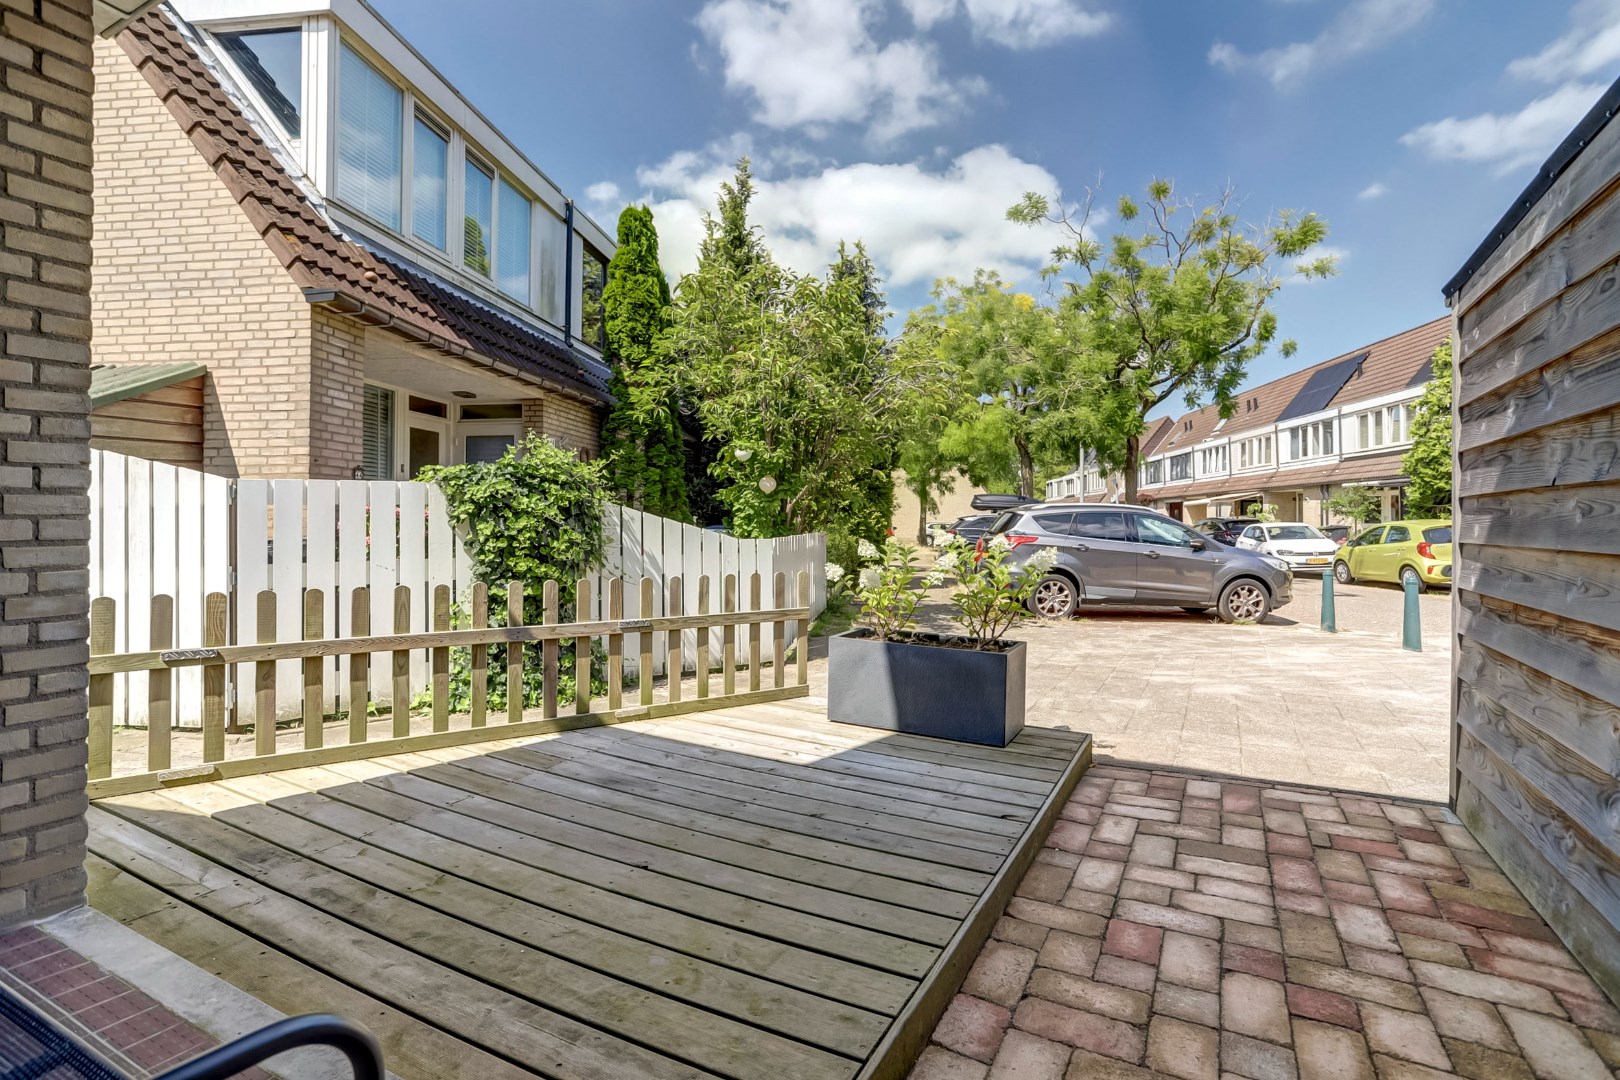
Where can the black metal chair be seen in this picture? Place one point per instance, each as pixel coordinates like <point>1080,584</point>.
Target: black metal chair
<point>33,1047</point>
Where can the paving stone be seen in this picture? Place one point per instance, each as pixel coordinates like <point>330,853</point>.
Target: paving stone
<point>1000,972</point>
<point>1311,937</point>
<point>1351,893</point>
<point>1606,1044</point>
<point>1391,965</point>
<point>1085,1065</point>
<point>1222,852</point>
<point>1113,829</point>
<point>1078,992</point>
<point>1204,789</point>
<point>1069,835</point>
<point>1589,1013</point>
<point>1392,1068</point>
<point>1153,850</point>
<point>1323,1005</point>
<point>1045,882</point>
<point>1168,918</point>
<point>1199,1006</point>
<point>1488,987</point>
<point>1102,849</point>
<point>1341,866</point>
<point>1295,875</point>
<point>1240,799</point>
<point>1254,1006</point>
<point>1122,972</point>
<point>1256,1060</point>
<point>1438,952</point>
<point>1483,1063</point>
<point>1190,1051</point>
<point>1099,875</point>
<point>1239,836</point>
<point>1304,903</point>
<point>1029,1057</point>
<point>1262,962</point>
<point>1412,869</point>
<point>1160,875</point>
<point>937,1063</point>
<point>1327,1052</point>
<point>1487,917</point>
<point>1070,952</point>
<point>1407,923</point>
<point>1356,984</point>
<point>1191,960</point>
<point>1199,864</point>
<point>1141,890</point>
<point>1283,844</point>
<point>972,1027</point>
<point>1235,890</point>
<point>1403,893</point>
<point>1223,908</point>
<point>1284,821</point>
<point>1029,935</point>
<point>1133,941</point>
<point>1542,952</point>
<point>1089,1031</point>
<point>1539,972</point>
<point>1466,1018</point>
<point>1255,937</point>
<point>1556,1050</point>
<point>1085,900</point>
<point>1058,858</point>
<point>1056,917</point>
<point>1404,1034</point>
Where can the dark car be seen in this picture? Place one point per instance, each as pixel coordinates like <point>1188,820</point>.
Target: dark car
<point>1131,555</point>
<point>1336,533</point>
<point>1225,529</point>
<point>971,527</point>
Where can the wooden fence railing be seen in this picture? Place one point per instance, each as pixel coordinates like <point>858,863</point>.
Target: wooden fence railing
<point>121,762</point>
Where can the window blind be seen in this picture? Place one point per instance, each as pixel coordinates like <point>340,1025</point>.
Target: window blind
<point>430,157</point>
<point>377,434</point>
<point>369,150</point>
<point>475,252</point>
<point>512,245</point>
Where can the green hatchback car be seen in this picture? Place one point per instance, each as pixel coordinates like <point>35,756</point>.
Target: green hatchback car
<point>1396,551</point>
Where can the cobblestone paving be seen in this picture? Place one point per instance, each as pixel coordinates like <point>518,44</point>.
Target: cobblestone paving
<point>1183,926</point>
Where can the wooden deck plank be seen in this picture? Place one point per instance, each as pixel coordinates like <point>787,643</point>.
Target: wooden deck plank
<point>807,1017</point>
<point>670,771</point>
<point>713,1043</point>
<point>1020,750</point>
<point>410,1047</point>
<point>544,1040</point>
<point>512,780</point>
<point>724,945</point>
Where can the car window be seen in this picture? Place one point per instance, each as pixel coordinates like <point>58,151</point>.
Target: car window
<point>1370,536</point>
<point>1003,522</point>
<point>1053,524</point>
<point>1154,530</point>
<point>1293,532</point>
<point>1398,534</point>
<point>1253,533</point>
<point>1440,534</point>
<point>1100,525</point>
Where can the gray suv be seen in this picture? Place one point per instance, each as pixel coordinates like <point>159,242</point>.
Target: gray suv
<point>1112,554</point>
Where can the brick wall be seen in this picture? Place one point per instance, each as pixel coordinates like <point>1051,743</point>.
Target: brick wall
<point>180,274</point>
<point>45,215</point>
<point>337,395</point>
<point>567,421</point>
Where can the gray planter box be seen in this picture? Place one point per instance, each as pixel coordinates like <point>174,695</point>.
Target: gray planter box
<point>921,687</point>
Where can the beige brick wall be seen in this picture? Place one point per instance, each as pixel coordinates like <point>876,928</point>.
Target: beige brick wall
<point>337,395</point>
<point>567,421</point>
<point>45,225</point>
<point>180,274</point>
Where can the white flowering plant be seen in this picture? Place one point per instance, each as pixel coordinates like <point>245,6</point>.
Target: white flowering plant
<point>992,592</point>
<point>885,587</point>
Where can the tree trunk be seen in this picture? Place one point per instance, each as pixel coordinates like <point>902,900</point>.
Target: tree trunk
<point>1026,469</point>
<point>1133,451</point>
<point>922,518</point>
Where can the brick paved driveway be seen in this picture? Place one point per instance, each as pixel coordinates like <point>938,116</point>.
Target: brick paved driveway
<point>1206,929</point>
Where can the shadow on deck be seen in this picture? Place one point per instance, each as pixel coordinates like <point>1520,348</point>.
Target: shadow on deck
<point>751,893</point>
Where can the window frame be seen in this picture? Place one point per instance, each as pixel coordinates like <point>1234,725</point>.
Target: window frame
<point>352,46</point>
<point>430,120</point>
<point>245,85</point>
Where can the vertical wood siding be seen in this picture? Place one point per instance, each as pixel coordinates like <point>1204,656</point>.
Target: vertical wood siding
<point>1536,698</point>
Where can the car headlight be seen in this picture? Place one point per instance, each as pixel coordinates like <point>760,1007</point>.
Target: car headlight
<point>1276,562</point>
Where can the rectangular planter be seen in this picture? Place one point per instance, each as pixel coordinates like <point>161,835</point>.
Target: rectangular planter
<point>920,687</point>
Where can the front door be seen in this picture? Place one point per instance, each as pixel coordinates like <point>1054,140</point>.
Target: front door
<point>1168,568</point>
<point>427,442</point>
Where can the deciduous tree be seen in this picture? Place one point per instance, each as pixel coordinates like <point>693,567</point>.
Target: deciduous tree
<point>1428,462</point>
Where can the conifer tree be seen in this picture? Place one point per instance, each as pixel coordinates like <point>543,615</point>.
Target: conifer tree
<point>642,439</point>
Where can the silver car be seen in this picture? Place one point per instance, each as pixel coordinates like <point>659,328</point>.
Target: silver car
<point>1130,555</point>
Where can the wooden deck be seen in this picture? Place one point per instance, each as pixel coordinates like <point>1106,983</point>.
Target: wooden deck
<point>753,893</point>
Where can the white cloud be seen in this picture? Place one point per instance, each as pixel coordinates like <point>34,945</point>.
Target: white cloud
<point>811,63</point>
<point>1017,24</point>
<point>1360,27</point>
<point>603,192</point>
<point>1507,140</point>
<point>917,223</point>
<point>1590,47</point>
<point>1374,190</point>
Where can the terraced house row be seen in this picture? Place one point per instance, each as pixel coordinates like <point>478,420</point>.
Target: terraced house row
<point>1292,443</point>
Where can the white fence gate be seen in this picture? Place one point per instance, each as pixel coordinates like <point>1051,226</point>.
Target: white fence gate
<point>163,530</point>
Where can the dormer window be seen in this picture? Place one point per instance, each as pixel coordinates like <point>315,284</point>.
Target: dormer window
<point>271,62</point>
<point>480,217</point>
<point>371,114</point>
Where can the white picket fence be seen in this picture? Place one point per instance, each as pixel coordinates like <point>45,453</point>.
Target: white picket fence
<point>162,530</point>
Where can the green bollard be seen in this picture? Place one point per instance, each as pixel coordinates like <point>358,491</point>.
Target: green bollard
<point>1412,630</point>
<point>1329,619</point>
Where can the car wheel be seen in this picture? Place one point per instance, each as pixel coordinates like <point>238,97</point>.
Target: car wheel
<point>1245,600</point>
<point>1409,573</point>
<point>1054,597</point>
<point>1341,573</point>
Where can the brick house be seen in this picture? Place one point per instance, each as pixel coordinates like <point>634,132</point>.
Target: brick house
<point>371,277</point>
<point>1292,443</point>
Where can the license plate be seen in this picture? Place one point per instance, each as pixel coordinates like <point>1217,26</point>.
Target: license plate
<point>1317,562</point>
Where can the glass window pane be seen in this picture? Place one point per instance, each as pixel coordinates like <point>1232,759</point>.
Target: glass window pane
<point>593,278</point>
<point>512,411</point>
<point>1398,534</point>
<point>430,173</point>
<point>369,153</point>
<point>512,246</point>
<point>1152,530</point>
<point>1100,525</point>
<point>485,448</point>
<point>479,196</point>
<point>272,62</point>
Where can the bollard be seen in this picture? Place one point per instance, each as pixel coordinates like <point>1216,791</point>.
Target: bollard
<point>1412,629</point>
<point>1329,619</point>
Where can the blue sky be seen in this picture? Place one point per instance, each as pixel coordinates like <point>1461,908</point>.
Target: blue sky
<point>913,124</point>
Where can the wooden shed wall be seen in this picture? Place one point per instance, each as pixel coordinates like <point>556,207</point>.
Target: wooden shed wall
<point>1536,703</point>
<point>161,425</point>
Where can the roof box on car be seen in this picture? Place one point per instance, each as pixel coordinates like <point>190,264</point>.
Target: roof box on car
<point>1000,502</point>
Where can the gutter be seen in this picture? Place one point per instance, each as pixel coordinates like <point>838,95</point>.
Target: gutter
<point>347,305</point>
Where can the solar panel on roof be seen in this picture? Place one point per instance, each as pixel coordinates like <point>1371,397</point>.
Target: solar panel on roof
<point>1321,388</point>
